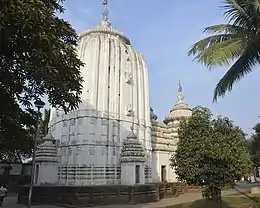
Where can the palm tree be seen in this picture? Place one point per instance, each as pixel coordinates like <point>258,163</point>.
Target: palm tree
<point>235,44</point>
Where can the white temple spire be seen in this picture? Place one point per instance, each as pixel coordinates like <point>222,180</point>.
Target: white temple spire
<point>180,96</point>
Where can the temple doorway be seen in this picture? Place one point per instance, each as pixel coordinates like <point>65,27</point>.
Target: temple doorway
<point>137,174</point>
<point>36,174</point>
<point>163,173</point>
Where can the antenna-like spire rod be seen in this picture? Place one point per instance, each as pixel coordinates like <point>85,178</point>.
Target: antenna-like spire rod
<point>180,96</point>
<point>180,87</point>
<point>106,12</point>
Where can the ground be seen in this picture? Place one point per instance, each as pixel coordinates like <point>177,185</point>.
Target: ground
<point>228,202</point>
<point>232,198</point>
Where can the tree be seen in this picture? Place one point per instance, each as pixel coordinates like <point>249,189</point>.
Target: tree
<point>236,42</point>
<point>254,148</point>
<point>210,153</point>
<point>18,155</point>
<point>37,58</point>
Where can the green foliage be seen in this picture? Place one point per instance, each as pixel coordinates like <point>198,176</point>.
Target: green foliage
<point>37,58</point>
<point>235,43</point>
<point>254,146</point>
<point>210,152</point>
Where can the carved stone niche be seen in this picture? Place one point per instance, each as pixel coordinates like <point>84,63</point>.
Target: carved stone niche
<point>93,121</point>
<point>129,110</point>
<point>104,130</point>
<point>128,78</point>
<point>115,131</point>
<point>104,121</point>
<point>115,124</point>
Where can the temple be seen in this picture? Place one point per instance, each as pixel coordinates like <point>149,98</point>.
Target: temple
<point>114,136</point>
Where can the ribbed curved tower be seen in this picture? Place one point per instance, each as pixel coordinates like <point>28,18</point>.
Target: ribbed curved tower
<point>115,96</point>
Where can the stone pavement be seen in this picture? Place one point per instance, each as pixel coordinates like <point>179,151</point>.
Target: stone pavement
<point>10,202</point>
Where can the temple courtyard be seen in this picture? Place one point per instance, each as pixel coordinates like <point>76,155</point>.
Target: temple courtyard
<point>240,194</point>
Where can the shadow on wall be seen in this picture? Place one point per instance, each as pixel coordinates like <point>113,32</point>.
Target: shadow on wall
<point>90,142</point>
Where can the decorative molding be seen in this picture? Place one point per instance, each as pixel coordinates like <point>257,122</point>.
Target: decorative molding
<point>132,150</point>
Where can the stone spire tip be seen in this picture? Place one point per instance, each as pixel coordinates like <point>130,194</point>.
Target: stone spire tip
<point>180,96</point>
<point>132,127</point>
<point>180,87</point>
<point>105,22</point>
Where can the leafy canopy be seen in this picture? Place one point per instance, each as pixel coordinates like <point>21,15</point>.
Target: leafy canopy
<point>210,152</point>
<point>254,146</point>
<point>235,44</point>
<point>37,58</point>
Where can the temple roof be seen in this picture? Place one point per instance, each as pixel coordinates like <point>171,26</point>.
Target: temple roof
<point>132,150</point>
<point>153,116</point>
<point>180,109</point>
<point>105,27</point>
<point>47,151</point>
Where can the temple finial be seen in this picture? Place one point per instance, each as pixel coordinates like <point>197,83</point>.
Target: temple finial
<point>132,127</point>
<point>105,22</point>
<point>180,96</point>
<point>106,12</point>
<point>180,88</point>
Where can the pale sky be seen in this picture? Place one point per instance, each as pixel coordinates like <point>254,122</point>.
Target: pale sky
<point>163,31</point>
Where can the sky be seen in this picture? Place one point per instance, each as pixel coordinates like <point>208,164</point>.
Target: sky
<point>163,31</point>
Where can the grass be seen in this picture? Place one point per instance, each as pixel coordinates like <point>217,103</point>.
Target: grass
<point>227,202</point>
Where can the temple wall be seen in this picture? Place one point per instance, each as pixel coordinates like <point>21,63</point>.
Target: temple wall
<point>46,173</point>
<point>83,143</point>
<point>164,141</point>
<point>164,160</point>
<point>89,153</point>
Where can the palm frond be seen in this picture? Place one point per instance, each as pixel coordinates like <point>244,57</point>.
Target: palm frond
<point>238,70</point>
<point>222,53</point>
<point>238,40</point>
<point>235,10</point>
<point>208,42</point>
<point>220,49</point>
<point>225,29</point>
<point>242,13</point>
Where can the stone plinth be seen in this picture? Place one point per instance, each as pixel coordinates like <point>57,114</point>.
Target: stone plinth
<point>82,196</point>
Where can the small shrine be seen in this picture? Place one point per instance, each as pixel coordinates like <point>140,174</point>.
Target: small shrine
<point>47,161</point>
<point>132,161</point>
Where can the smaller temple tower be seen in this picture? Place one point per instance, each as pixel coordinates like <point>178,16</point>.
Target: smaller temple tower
<point>47,161</point>
<point>132,161</point>
<point>179,111</point>
<point>165,138</point>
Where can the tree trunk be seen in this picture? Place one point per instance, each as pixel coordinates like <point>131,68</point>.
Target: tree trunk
<point>212,193</point>
<point>216,195</point>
